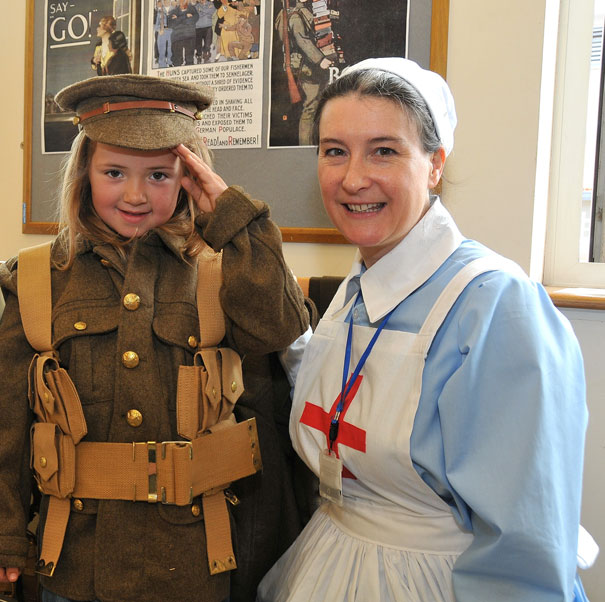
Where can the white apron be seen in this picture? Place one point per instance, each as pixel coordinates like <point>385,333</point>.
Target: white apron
<point>394,539</point>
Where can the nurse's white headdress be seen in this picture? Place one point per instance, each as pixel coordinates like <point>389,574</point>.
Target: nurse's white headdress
<point>430,85</point>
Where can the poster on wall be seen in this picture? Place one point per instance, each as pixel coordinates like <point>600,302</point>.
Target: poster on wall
<point>356,28</point>
<point>312,42</point>
<point>218,44</point>
<point>82,39</point>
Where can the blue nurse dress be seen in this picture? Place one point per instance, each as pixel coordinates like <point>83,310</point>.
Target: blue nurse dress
<point>462,438</point>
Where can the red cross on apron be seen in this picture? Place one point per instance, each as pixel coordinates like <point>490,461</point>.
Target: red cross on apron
<point>348,434</point>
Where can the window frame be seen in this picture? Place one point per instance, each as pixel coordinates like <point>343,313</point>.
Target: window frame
<point>562,265</point>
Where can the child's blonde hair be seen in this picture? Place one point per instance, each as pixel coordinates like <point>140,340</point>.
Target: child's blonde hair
<point>79,220</point>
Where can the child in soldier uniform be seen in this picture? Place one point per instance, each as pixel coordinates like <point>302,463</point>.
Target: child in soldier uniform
<point>139,198</point>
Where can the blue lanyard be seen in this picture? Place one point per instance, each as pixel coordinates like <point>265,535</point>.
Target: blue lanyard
<point>334,424</point>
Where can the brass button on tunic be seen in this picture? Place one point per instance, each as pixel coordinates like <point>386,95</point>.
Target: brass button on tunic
<point>131,301</point>
<point>134,418</point>
<point>130,359</point>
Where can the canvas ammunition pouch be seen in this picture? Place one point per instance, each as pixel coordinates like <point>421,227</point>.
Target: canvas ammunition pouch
<point>214,452</point>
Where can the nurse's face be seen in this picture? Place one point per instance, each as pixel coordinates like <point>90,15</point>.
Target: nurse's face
<point>373,173</point>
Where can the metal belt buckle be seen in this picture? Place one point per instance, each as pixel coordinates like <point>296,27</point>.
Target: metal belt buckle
<point>152,470</point>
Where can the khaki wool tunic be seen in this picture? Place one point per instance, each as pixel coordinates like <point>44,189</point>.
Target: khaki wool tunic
<point>119,551</point>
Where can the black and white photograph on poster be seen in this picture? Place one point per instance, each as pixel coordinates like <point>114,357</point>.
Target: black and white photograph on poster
<point>312,42</point>
<point>83,39</point>
<point>218,43</point>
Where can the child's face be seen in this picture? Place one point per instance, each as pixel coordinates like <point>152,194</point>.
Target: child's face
<point>134,191</point>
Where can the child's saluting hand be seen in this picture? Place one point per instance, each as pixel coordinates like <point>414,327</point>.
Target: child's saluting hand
<point>203,184</point>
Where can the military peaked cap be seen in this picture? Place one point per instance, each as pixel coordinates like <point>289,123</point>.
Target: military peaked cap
<point>136,111</point>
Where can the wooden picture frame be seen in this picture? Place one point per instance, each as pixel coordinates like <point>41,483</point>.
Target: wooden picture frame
<point>82,26</point>
<point>439,20</point>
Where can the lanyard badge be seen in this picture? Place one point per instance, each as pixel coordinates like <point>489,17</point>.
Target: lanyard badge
<point>330,465</point>
<point>330,477</point>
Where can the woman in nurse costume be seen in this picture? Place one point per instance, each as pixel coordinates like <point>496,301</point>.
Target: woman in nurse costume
<point>441,399</point>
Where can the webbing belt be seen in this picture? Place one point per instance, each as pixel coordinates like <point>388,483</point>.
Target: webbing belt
<point>171,472</point>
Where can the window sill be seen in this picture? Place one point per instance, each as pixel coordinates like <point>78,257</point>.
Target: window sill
<point>578,298</point>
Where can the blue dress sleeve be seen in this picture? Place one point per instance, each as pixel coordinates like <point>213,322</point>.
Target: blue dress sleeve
<point>513,418</point>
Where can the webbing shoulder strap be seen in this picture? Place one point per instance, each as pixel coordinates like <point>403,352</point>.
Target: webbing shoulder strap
<point>209,309</point>
<point>35,299</point>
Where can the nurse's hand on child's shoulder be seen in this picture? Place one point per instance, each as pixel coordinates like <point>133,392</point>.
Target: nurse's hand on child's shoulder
<point>9,574</point>
<point>202,183</point>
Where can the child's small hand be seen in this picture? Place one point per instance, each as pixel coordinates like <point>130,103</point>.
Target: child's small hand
<point>9,574</point>
<point>203,184</point>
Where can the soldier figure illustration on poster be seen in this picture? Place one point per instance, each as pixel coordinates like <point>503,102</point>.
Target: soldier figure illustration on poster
<point>313,40</point>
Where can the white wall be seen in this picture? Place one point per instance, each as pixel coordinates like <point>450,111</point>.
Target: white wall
<point>12,47</point>
<point>589,327</point>
<point>493,178</point>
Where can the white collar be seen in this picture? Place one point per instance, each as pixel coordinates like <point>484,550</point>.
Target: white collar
<point>403,269</point>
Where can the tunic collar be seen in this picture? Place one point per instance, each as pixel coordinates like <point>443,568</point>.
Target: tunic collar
<point>406,267</point>
<point>154,238</point>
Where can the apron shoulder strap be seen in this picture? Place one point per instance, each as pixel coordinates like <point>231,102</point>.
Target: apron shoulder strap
<point>454,288</point>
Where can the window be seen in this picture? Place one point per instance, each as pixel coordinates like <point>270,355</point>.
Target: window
<point>574,146</point>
